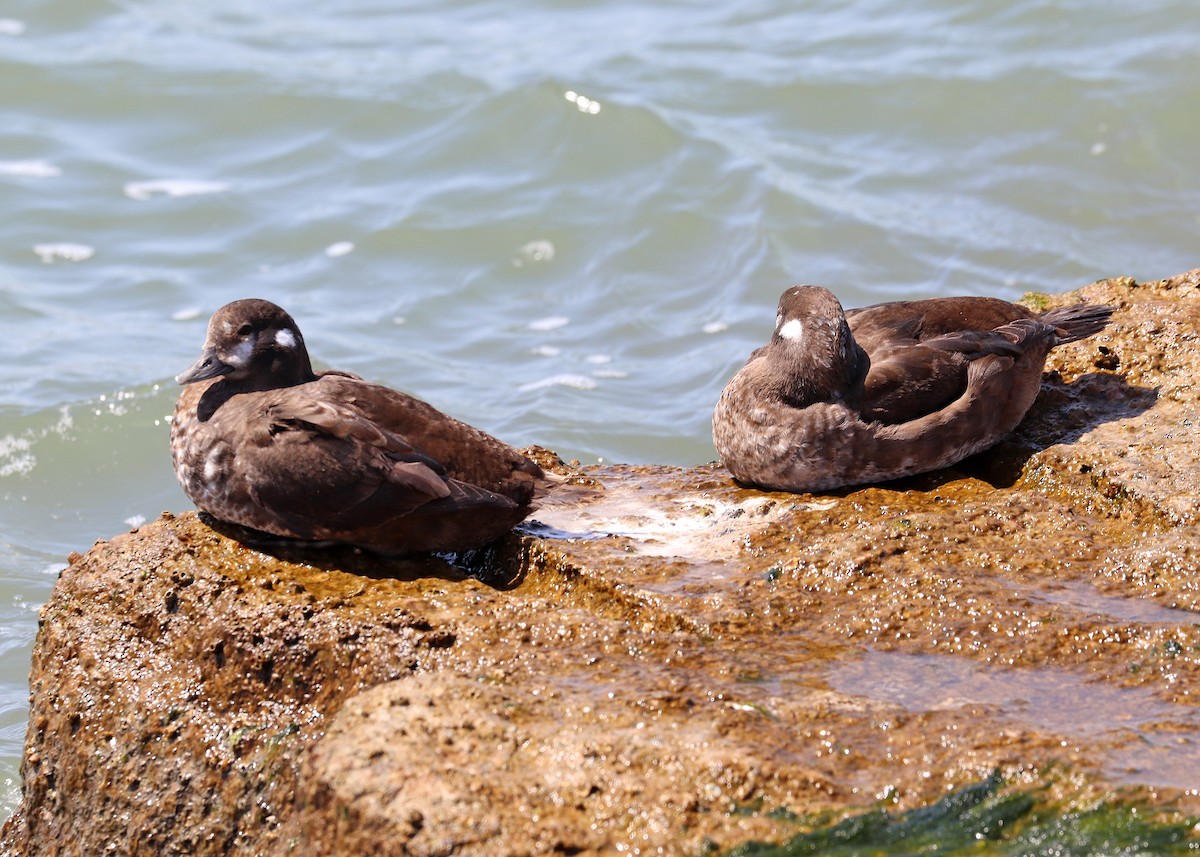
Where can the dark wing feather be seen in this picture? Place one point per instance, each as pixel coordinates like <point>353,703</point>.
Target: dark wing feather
<point>352,473</point>
<point>466,453</point>
<point>926,319</point>
<point>910,382</point>
<point>909,379</point>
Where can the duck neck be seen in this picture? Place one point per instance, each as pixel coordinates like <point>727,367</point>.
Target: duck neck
<point>833,373</point>
<point>274,370</point>
<point>288,370</point>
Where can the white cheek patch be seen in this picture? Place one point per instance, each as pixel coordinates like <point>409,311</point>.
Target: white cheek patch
<point>240,355</point>
<point>793,330</point>
<point>285,338</point>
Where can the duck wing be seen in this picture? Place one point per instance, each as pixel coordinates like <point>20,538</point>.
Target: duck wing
<point>926,319</point>
<point>465,453</point>
<point>909,378</point>
<point>321,467</point>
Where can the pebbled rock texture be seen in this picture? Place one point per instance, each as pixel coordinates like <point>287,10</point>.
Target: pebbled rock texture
<point>664,661</point>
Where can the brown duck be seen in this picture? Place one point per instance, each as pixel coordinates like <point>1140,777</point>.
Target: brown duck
<point>846,398</point>
<point>259,439</point>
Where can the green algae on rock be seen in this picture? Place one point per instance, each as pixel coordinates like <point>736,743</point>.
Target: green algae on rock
<point>986,815</point>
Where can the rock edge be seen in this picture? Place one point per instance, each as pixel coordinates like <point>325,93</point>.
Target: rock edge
<point>661,660</point>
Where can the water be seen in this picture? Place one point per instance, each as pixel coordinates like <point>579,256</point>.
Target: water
<point>565,222</point>
<point>1161,745</point>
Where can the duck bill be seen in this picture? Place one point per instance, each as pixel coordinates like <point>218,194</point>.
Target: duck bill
<point>208,366</point>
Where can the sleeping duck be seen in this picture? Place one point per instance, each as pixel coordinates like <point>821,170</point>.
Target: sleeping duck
<point>846,398</point>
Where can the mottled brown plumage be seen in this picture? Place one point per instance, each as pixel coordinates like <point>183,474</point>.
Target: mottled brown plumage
<point>259,439</point>
<point>845,398</point>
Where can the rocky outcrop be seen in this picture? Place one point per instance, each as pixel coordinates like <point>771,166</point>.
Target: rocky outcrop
<point>665,661</point>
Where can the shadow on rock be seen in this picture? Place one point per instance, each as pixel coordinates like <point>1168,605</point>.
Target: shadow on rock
<point>1063,413</point>
<point>496,565</point>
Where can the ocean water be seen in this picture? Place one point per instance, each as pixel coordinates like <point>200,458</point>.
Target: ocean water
<point>565,222</point>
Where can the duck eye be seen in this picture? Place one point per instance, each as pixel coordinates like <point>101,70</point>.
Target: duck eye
<point>245,330</point>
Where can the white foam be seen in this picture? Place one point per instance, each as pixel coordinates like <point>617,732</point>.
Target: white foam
<point>15,456</point>
<point>135,521</point>
<point>16,451</point>
<point>550,322</point>
<point>186,314</point>
<point>29,169</point>
<point>11,27</point>
<point>65,422</point>
<point>535,251</point>
<point>65,250</point>
<point>715,327</point>
<point>339,248</point>
<point>546,350</point>
<point>599,358</point>
<point>576,382</point>
<point>173,188</point>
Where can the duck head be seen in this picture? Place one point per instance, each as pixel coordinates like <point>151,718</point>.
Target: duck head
<point>253,343</point>
<point>812,350</point>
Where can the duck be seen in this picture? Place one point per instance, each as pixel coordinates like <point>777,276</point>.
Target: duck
<point>260,440</point>
<point>842,398</point>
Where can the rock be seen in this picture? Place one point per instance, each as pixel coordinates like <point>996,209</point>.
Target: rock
<point>665,661</point>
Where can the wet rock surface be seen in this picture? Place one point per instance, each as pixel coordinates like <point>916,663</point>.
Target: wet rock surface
<point>664,659</point>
